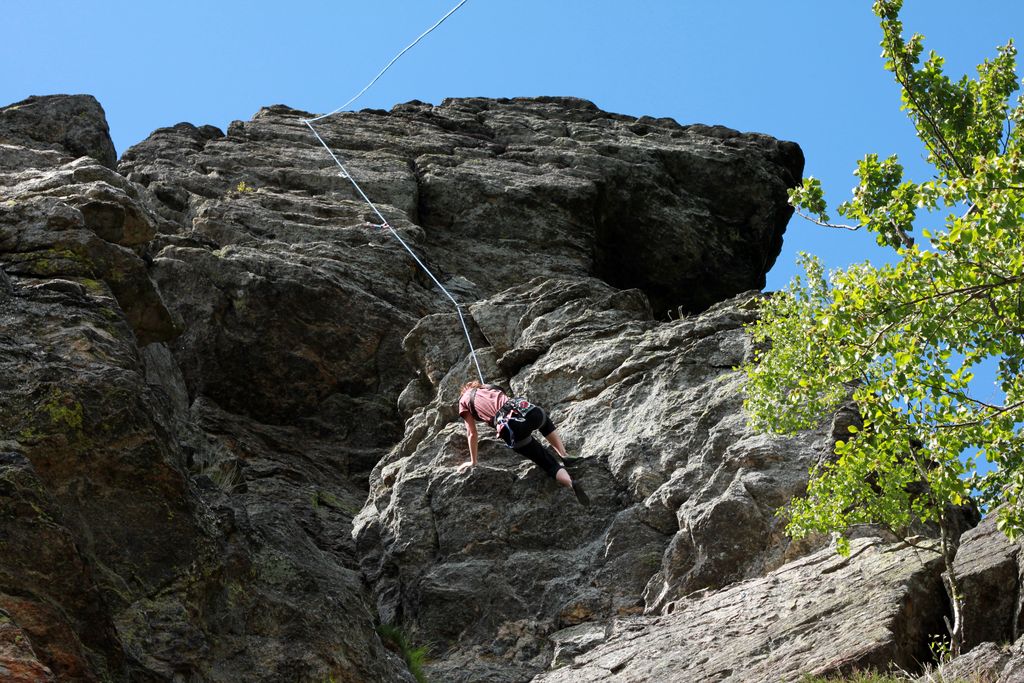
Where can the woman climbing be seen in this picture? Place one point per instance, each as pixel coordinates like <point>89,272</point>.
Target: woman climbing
<point>515,419</point>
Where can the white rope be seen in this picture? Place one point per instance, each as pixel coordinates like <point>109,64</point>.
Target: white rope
<point>388,66</point>
<point>384,221</point>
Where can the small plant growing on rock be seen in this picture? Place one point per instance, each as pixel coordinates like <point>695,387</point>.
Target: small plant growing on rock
<point>940,649</point>
<point>243,188</point>
<point>415,657</point>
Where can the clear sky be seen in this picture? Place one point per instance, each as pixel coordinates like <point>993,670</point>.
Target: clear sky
<point>803,70</point>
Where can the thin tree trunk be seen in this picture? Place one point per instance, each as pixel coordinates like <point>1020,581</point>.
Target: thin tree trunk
<point>956,596</point>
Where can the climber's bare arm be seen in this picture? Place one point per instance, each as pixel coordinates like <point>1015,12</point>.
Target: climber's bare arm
<point>471,439</point>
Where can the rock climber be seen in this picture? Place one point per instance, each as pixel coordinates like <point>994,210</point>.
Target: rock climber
<point>515,419</point>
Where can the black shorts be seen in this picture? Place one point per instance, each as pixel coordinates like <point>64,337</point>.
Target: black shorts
<point>529,447</point>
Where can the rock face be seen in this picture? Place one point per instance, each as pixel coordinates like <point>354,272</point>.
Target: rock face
<point>989,568</point>
<point>503,191</point>
<point>542,210</point>
<point>228,440</point>
<point>139,540</point>
<point>683,494</point>
<point>73,125</point>
<point>821,615</point>
<point>987,662</point>
<point>18,663</point>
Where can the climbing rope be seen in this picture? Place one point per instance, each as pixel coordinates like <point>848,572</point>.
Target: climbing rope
<point>376,78</point>
<point>344,173</point>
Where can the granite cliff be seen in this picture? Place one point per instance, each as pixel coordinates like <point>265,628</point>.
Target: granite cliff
<point>228,441</point>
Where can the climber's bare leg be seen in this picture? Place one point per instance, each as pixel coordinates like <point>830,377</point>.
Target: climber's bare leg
<point>556,443</point>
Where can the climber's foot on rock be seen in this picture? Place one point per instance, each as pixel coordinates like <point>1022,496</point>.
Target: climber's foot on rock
<point>581,495</point>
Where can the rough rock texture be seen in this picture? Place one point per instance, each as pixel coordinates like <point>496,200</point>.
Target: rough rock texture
<point>822,614</point>
<point>18,663</point>
<point>504,190</point>
<point>227,427</point>
<point>138,540</point>
<point>72,125</point>
<point>989,567</point>
<point>684,495</point>
<point>986,663</point>
<point>544,206</point>
<point>48,590</point>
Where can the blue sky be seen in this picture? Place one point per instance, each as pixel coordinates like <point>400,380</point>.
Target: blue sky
<point>803,70</point>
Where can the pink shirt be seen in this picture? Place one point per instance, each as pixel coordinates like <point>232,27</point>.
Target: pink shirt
<point>488,402</point>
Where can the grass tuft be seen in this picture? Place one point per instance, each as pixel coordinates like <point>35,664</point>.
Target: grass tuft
<point>415,657</point>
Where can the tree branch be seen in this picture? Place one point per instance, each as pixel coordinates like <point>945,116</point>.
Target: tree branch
<point>961,396</point>
<point>918,109</point>
<point>1009,132</point>
<point>999,316</point>
<point>980,420</point>
<point>912,543</point>
<point>974,289</point>
<point>823,224</point>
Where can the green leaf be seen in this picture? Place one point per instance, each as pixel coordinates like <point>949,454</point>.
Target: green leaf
<point>904,338</point>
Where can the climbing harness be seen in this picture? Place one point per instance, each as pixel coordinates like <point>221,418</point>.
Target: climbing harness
<point>512,410</point>
<point>344,173</point>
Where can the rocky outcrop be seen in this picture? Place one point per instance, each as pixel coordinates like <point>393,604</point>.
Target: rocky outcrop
<point>989,568</point>
<point>820,615</point>
<point>88,470</point>
<point>138,540</point>
<point>486,565</point>
<point>542,210</point>
<point>228,440</point>
<point>503,191</point>
<point>70,125</point>
<point>987,662</point>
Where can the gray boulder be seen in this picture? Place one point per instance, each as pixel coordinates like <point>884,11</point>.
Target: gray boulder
<point>821,615</point>
<point>987,662</point>
<point>70,124</point>
<point>988,566</point>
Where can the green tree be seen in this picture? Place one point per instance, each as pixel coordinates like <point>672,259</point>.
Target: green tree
<point>903,339</point>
